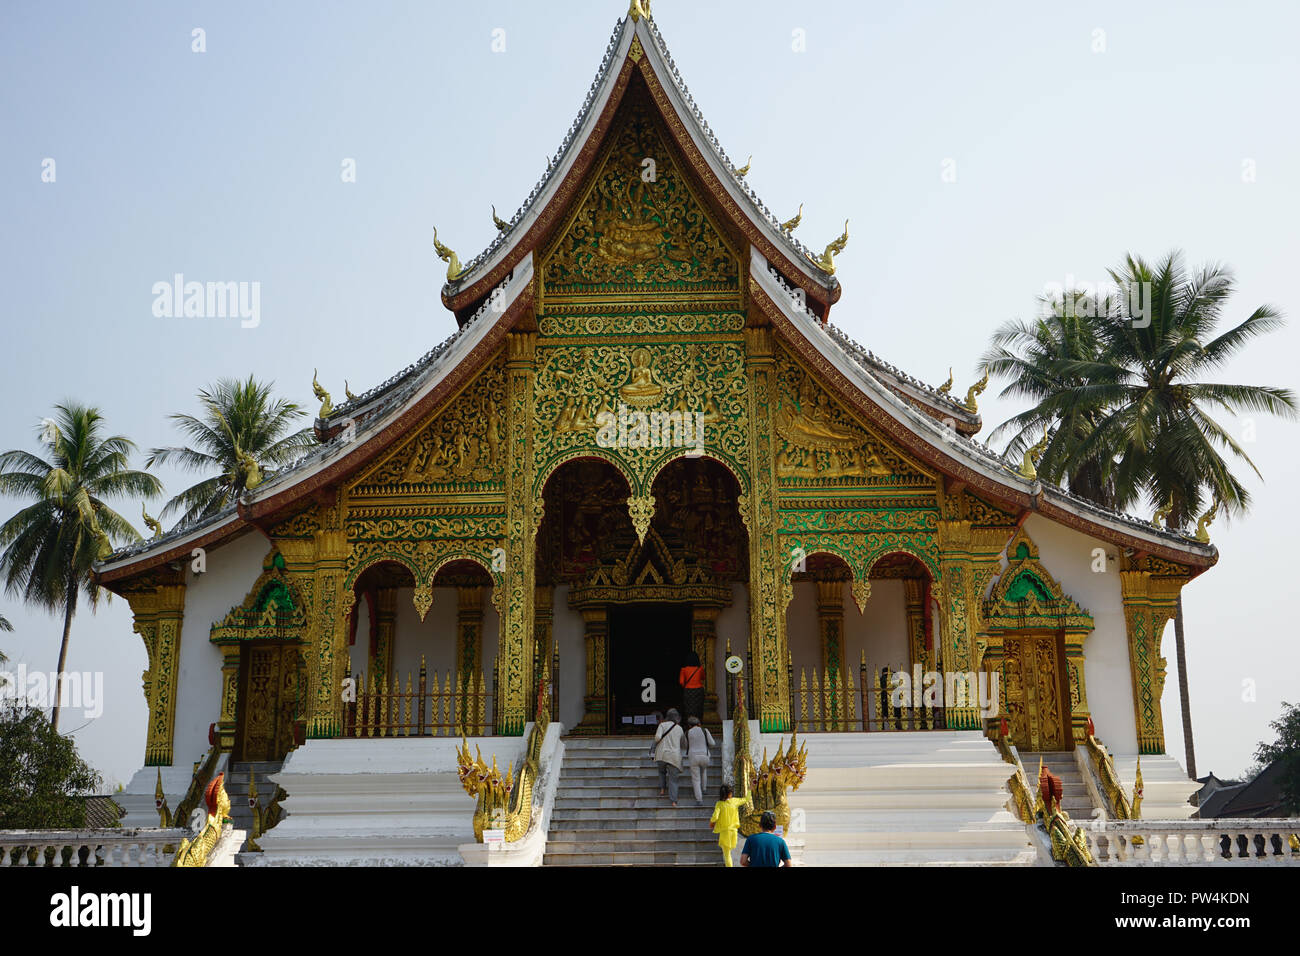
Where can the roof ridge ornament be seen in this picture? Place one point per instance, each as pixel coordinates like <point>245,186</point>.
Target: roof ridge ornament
<point>946,387</point>
<point>974,392</point>
<point>744,170</point>
<point>497,221</point>
<point>826,261</point>
<point>454,268</point>
<point>326,406</point>
<point>1033,453</point>
<point>790,225</point>
<point>1203,523</point>
<point>639,9</point>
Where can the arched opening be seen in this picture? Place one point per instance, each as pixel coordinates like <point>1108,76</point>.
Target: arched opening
<point>868,670</point>
<point>414,675</point>
<point>629,593</point>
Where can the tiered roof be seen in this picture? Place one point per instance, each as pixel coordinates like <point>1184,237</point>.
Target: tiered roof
<point>494,291</point>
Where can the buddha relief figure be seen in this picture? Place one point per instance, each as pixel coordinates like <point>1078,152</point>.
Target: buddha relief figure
<point>628,234</point>
<point>641,389</point>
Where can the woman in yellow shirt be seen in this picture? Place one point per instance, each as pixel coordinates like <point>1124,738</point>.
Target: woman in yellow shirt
<point>726,821</point>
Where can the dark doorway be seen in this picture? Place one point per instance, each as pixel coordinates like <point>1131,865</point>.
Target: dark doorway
<point>646,641</point>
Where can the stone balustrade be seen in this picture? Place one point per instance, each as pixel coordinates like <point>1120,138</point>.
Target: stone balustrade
<point>1227,842</point>
<point>117,847</point>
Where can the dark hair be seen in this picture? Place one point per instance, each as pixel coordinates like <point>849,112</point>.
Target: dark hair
<point>693,659</point>
<point>768,820</point>
<point>724,791</point>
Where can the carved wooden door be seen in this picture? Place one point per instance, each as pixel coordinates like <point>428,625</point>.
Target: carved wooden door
<point>268,696</point>
<point>1032,690</point>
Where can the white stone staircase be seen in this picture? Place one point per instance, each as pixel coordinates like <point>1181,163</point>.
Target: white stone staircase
<point>904,798</point>
<point>608,811</point>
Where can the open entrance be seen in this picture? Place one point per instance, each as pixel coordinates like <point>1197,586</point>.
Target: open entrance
<point>649,644</point>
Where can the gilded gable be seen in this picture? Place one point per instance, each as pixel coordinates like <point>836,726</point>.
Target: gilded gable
<point>460,448</point>
<point>638,230</point>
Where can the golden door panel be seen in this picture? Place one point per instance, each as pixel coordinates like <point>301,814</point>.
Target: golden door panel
<point>268,699</point>
<point>1032,685</point>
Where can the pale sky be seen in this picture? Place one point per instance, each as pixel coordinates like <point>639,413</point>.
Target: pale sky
<point>1076,135</point>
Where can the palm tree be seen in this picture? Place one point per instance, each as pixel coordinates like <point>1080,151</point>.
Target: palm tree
<point>4,626</point>
<point>1134,401</point>
<point>241,429</point>
<point>50,545</point>
<point>1033,355</point>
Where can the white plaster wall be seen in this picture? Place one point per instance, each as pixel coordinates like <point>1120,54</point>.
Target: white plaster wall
<point>434,638</point>
<point>732,624</point>
<point>880,630</point>
<point>231,571</point>
<point>569,636</point>
<point>1068,555</point>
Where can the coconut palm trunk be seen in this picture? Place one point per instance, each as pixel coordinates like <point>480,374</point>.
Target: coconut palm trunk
<point>69,609</point>
<point>1184,699</point>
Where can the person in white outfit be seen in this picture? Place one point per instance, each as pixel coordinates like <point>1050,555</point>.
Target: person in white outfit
<point>698,742</point>
<point>669,738</point>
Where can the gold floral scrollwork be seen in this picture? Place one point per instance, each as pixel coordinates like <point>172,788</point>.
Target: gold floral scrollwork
<point>422,598</point>
<point>641,510</point>
<point>861,588</point>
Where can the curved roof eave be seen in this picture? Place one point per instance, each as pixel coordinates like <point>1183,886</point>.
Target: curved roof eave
<point>958,456</point>
<point>346,452</point>
<point>542,207</point>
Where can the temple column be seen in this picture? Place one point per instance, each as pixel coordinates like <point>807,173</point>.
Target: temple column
<point>385,625</point>
<point>159,614</point>
<point>704,641</point>
<point>596,702</point>
<point>469,654</point>
<point>770,697</point>
<point>1150,602</point>
<point>968,559</point>
<point>830,626</point>
<point>331,603</point>
<point>914,606</point>
<point>543,622</point>
<point>1077,690</point>
<point>228,720</point>
<point>515,654</point>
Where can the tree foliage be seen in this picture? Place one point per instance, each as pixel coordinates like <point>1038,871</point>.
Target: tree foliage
<point>1286,750</point>
<point>42,778</point>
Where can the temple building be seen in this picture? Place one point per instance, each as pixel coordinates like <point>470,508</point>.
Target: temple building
<point>647,439</point>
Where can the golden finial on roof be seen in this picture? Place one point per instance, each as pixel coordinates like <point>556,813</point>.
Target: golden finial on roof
<point>743,170</point>
<point>974,392</point>
<point>1033,453</point>
<point>1161,518</point>
<point>454,270</point>
<point>826,261</point>
<point>1203,523</point>
<point>639,9</point>
<point>151,523</point>
<point>946,387</point>
<point>326,406</point>
<point>497,221</point>
<point>791,224</point>
<point>348,392</point>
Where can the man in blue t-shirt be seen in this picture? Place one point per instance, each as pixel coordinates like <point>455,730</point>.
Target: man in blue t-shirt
<point>766,848</point>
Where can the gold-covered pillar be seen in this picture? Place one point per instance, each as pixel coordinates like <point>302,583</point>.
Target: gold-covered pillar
<point>595,719</point>
<point>767,565</point>
<point>514,664</point>
<point>914,606</point>
<point>830,627</point>
<point>968,558</point>
<point>1077,689</point>
<point>228,720</point>
<point>543,624</point>
<point>704,641</point>
<point>159,614</point>
<point>331,604</point>
<point>1150,602</point>
<point>385,627</point>
<point>469,650</point>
